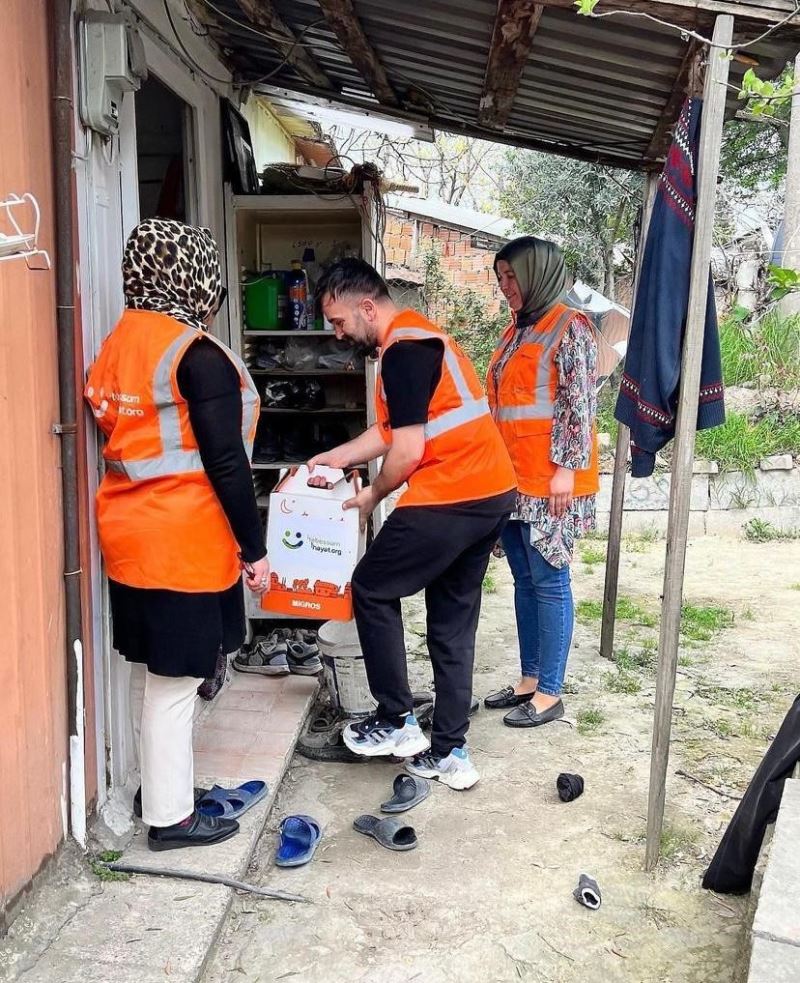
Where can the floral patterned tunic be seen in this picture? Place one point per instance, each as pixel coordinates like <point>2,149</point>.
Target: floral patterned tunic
<point>574,415</point>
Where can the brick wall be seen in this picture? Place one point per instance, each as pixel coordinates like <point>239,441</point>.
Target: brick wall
<point>466,265</point>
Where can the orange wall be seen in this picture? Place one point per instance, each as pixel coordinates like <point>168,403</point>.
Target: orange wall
<point>33,726</point>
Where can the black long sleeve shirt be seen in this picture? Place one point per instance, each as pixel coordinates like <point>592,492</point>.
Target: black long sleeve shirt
<point>210,384</point>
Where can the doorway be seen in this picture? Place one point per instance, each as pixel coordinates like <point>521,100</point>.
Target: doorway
<point>165,153</point>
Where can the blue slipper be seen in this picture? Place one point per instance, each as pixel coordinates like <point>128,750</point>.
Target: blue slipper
<point>300,836</point>
<point>230,803</point>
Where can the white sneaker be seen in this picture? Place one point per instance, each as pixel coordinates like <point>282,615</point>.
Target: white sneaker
<point>373,737</point>
<point>456,770</point>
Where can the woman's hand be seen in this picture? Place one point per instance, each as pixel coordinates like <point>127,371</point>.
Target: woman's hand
<point>257,576</point>
<point>562,486</point>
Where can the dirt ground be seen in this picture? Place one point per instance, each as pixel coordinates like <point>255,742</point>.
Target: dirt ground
<point>487,896</point>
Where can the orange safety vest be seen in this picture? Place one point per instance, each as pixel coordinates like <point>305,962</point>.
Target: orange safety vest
<point>464,459</point>
<point>160,523</point>
<point>523,403</point>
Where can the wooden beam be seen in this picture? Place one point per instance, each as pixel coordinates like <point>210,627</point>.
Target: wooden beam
<point>662,135</point>
<point>682,459</point>
<point>515,25</point>
<point>621,459</point>
<point>262,14</point>
<point>791,214</point>
<point>342,17</point>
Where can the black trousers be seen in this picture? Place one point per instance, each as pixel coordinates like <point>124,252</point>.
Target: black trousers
<point>443,550</point>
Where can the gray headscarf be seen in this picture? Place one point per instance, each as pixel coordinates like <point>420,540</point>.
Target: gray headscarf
<point>540,271</point>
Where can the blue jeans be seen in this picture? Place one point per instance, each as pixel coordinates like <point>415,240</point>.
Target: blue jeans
<point>544,607</point>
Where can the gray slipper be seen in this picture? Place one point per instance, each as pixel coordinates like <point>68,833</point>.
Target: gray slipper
<point>390,833</point>
<point>409,791</point>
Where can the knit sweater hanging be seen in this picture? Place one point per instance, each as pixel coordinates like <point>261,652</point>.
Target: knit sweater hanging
<point>648,397</point>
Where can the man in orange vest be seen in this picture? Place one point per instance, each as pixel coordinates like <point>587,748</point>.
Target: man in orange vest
<point>435,433</point>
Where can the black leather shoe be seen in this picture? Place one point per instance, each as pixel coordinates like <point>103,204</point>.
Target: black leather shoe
<point>526,715</point>
<point>202,831</point>
<point>505,698</point>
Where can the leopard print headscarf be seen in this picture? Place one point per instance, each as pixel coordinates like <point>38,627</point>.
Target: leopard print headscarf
<point>174,269</point>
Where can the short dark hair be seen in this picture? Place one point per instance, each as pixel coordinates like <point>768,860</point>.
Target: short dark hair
<point>353,278</point>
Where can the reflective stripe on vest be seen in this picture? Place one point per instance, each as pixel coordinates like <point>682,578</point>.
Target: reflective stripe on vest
<point>174,459</point>
<point>541,407</point>
<point>471,408</point>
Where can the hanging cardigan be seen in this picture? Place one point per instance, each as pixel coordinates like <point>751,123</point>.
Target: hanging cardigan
<point>648,395</point>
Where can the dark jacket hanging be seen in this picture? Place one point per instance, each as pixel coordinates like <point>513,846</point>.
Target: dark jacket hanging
<point>731,870</point>
<point>648,395</point>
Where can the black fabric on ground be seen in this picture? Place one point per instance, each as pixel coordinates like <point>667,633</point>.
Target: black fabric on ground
<point>569,786</point>
<point>445,551</point>
<point>421,363</point>
<point>176,633</point>
<point>731,870</point>
<point>588,893</point>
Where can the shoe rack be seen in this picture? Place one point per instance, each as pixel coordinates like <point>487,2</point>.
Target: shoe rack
<point>273,230</point>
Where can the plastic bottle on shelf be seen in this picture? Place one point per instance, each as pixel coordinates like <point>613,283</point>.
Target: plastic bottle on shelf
<point>313,271</point>
<point>298,297</point>
<point>261,300</point>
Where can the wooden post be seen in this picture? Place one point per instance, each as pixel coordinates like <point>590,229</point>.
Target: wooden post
<point>683,455</point>
<point>791,214</point>
<point>621,460</point>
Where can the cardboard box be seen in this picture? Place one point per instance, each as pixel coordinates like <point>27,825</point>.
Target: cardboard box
<point>313,546</point>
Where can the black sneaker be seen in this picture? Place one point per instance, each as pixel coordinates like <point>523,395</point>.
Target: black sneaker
<point>268,447</point>
<point>312,395</point>
<point>201,831</point>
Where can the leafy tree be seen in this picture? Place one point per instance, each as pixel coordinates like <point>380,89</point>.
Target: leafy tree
<point>588,209</point>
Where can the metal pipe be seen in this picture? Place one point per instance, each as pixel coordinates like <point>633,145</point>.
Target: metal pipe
<point>67,428</point>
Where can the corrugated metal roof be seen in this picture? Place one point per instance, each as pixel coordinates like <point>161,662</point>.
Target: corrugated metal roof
<point>453,216</point>
<point>594,88</point>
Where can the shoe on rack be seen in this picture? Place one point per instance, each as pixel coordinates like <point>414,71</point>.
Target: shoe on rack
<point>269,357</point>
<point>283,394</point>
<point>199,831</point>
<point>456,771</point>
<point>302,654</point>
<point>312,395</point>
<point>264,655</point>
<point>268,447</point>
<point>298,446</point>
<point>373,737</point>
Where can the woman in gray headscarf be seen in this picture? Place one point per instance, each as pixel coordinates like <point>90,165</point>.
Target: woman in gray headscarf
<point>541,388</point>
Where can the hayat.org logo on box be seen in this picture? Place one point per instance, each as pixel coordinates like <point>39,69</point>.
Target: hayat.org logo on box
<point>313,546</point>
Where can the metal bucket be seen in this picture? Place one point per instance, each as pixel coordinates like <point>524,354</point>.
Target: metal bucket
<point>343,664</point>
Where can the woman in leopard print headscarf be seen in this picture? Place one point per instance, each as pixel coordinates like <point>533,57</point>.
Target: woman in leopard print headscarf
<point>172,268</point>
<point>170,525</point>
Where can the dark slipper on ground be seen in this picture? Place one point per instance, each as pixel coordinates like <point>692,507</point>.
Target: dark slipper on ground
<point>327,745</point>
<point>409,791</point>
<point>231,803</point>
<point>202,831</point>
<point>137,799</point>
<point>390,833</point>
<point>525,715</point>
<point>505,698</point>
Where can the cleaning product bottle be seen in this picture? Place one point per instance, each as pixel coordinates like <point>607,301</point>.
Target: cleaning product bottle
<point>261,300</point>
<point>298,297</point>
<point>313,271</point>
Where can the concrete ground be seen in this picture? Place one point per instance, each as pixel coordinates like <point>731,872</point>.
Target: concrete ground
<point>487,896</point>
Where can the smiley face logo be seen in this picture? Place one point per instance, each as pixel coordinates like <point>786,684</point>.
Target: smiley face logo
<point>292,540</point>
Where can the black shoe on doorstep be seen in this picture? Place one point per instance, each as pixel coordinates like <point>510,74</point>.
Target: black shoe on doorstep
<point>200,831</point>
<point>199,793</point>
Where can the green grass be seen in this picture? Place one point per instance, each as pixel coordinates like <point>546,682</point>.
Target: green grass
<point>591,555</point>
<point>794,586</point>
<point>108,857</point>
<point>622,681</point>
<point>701,623</point>
<point>590,720</point>
<point>627,610</point>
<point>761,531</point>
<point>640,542</point>
<point>769,351</point>
<point>628,660</point>
<point>739,444</point>
<point>489,584</point>
<point>748,615</point>
<point>675,842</point>
<point>589,610</point>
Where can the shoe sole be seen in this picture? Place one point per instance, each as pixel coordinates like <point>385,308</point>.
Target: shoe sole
<point>305,671</point>
<point>458,783</point>
<point>263,670</point>
<point>158,847</point>
<point>408,749</point>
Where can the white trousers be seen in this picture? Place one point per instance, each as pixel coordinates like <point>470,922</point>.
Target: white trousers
<point>162,712</point>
